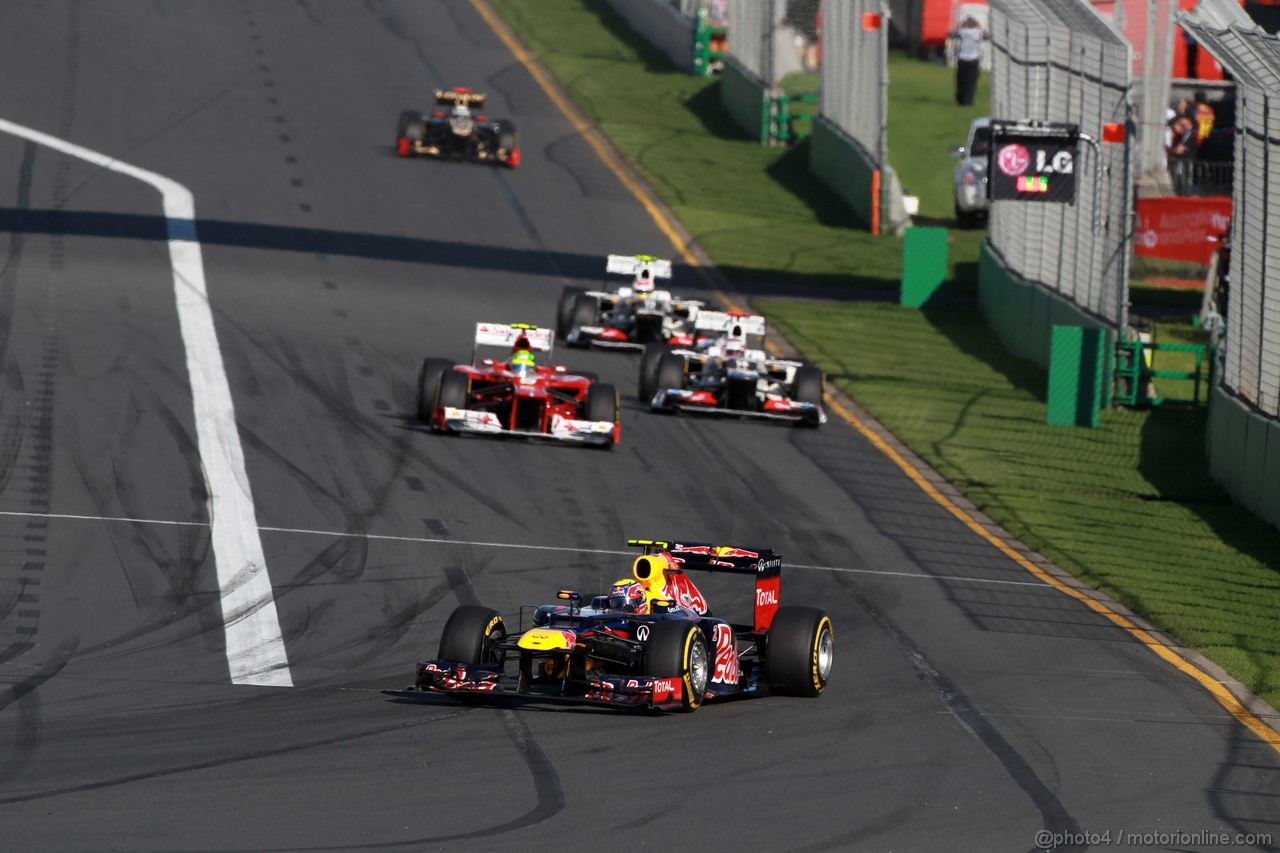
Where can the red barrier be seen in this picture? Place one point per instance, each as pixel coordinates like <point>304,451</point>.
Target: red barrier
<point>1181,228</point>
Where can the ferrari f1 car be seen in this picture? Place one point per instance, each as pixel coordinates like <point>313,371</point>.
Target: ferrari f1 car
<point>454,131</point>
<point>729,373</point>
<point>629,317</point>
<point>515,395</point>
<point>650,642</point>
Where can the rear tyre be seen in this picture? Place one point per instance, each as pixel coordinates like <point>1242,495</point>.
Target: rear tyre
<point>585,311</point>
<point>807,388</point>
<point>677,649</point>
<point>471,636</point>
<point>415,131</point>
<point>564,311</point>
<point>648,384</point>
<point>800,651</point>
<point>602,403</point>
<point>429,385</point>
<point>455,387</point>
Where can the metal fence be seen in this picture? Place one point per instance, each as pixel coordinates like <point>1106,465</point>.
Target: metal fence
<point>1251,357</point>
<point>854,71</point>
<point>1060,61</point>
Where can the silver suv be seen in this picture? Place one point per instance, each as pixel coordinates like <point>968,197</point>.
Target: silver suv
<point>971,174</point>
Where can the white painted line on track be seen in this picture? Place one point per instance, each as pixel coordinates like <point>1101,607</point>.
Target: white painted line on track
<point>255,645</point>
<point>563,549</point>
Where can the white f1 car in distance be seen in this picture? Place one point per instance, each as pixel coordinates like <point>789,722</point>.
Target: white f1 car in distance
<point>629,317</point>
<point>731,374</point>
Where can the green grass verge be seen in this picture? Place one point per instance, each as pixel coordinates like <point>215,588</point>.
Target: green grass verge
<point>1129,507</point>
<point>757,212</point>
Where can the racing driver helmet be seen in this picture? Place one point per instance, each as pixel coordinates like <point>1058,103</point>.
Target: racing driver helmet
<point>627,595</point>
<point>522,363</point>
<point>733,350</point>
<point>643,285</point>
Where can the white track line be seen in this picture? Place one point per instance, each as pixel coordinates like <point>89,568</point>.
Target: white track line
<point>563,549</point>
<point>255,646</point>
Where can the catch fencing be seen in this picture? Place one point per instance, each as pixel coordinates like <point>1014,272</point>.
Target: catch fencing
<point>849,147</point>
<point>1060,61</point>
<point>1244,431</point>
<point>684,30</point>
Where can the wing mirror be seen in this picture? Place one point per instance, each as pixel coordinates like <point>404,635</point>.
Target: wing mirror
<point>956,150</point>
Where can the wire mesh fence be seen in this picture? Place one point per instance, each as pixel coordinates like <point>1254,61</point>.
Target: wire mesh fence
<point>854,71</point>
<point>1060,61</point>
<point>1251,356</point>
<point>751,36</point>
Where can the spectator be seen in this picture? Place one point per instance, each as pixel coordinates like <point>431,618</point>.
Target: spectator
<point>969,38</point>
<point>1181,153</point>
<point>1203,116</point>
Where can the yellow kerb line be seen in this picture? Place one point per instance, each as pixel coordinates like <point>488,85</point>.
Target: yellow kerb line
<point>1224,697</point>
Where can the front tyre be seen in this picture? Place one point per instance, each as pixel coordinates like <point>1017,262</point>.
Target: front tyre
<point>808,388</point>
<point>653,353</point>
<point>472,635</point>
<point>428,385</point>
<point>677,649</point>
<point>565,309</point>
<point>800,651</point>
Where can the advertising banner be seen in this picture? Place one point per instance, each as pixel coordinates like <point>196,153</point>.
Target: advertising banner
<point>1180,228</point>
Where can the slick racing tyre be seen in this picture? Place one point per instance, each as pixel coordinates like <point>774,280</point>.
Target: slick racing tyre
<point>585,311</point>
<point>509,141</point>
<point>428,385</point>
<point>455,388</point>
<point>403,146</point>
<point>602,405</point>
<point>564,311</point>
<point>807,388</point>
<point>471,636</point>
<point>648,385</point>
<point>671,375</point>
<point>800,651</point>
<point>677,649</point>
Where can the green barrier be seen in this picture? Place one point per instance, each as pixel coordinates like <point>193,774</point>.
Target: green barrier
<point>783,126</point>
<point>924,265</point>
<point>841,164</point>
<point>1076,360</point>
<point>1135,369</point>
<point>746,98</point>
<point>708,46</point>
<point>1244,455</point>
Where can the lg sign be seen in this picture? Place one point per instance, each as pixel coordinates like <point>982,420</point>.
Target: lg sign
<point>1032,164</point>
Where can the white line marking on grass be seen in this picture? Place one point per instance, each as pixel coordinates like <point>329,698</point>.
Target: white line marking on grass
<point>562,549</point>
<point>255,646</point>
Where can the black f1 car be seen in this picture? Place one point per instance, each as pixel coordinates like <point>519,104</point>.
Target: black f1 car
<point>730,374</point>
<point>453,131</point>
<point>650,642</point>
<point>631,316</point>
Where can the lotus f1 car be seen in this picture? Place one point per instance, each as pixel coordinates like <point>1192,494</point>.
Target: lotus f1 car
<point>629,317</point>
<point>515,395</point>
<point>454,132</point>
<point>729,373</point>
<point>650,642</point>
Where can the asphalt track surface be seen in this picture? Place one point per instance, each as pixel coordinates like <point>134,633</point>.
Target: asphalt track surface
<point>970,707</point>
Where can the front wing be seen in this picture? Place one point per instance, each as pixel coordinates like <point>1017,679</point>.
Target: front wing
<point>673,400</point>
<point>560,429</point>
<point>618,691</point>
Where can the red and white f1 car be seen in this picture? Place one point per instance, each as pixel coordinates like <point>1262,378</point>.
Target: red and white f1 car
<point>728,372</point>
<point>515,395</point>
<point>629,317</point>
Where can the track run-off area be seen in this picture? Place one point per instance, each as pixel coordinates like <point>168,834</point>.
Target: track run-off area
<point>225,533</point>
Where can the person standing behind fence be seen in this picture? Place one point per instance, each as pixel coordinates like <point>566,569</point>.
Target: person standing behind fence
<point>969,38</point>
<point>1203,116</point>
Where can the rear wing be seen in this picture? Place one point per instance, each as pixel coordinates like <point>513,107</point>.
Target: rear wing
<point>634,265</point>
<point>762,563</point>
<point>733,325</point>
<point>461,96</point>
<point>506,335</point>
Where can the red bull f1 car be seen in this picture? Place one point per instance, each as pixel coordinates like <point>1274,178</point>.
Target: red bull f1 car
<point>455,131</point>
<point>515,395</point>
<point>729,373</point>
<point>650,642</point>
<point>631,316</point>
